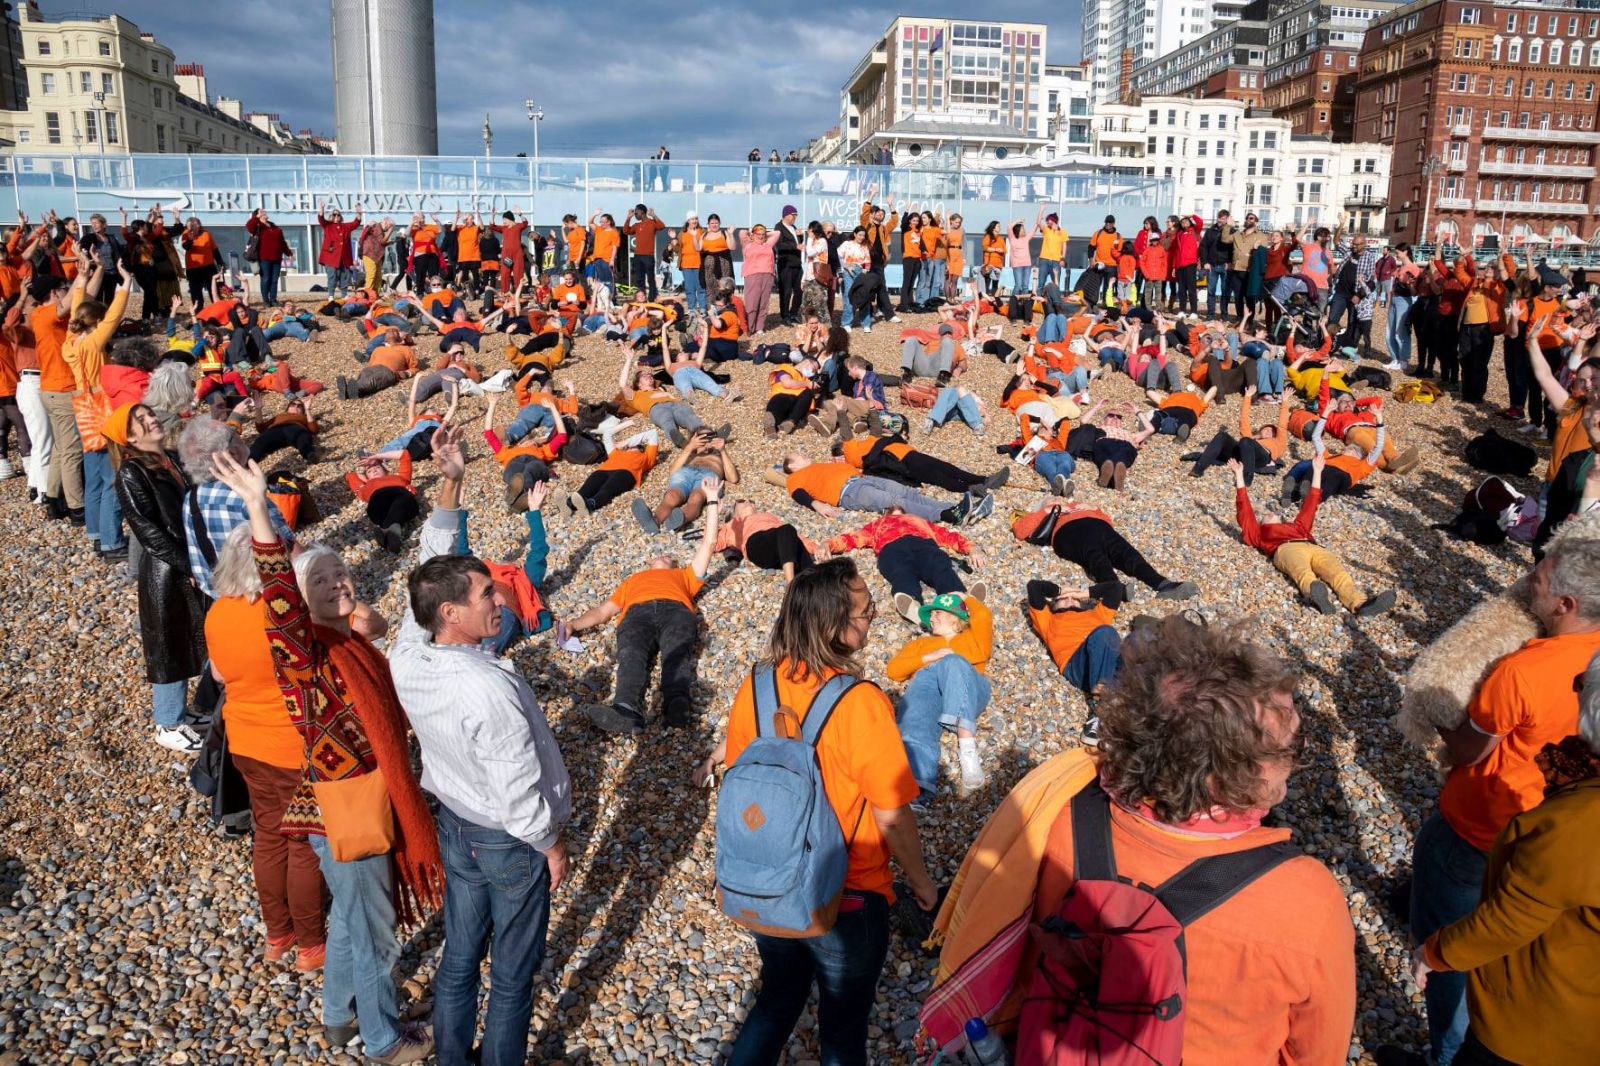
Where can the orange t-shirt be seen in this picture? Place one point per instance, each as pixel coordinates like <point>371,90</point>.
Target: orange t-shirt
<point>787,382</point>
<point>200,252</point>
<point>933,242</point>
<point>863,762</point>
<point>688,254</point>
<point>1064,632</point>
<point>425,240</point>
<point>644,399</point>
<point>606,241</point>
<point>678,584</point>
<point>725,325</point>
<point>400,358</point>
<point>634,461</point>
<point>1528,701</point>
<point>854,451</point>
<point>823,481</point>
<point>49,335</point>
<point>911,244</point>
<point>576,235</point>
<point>1188,400</point>
<point>569,297</point>
<point>1105,247</point>
<point>994,251</point>
<point>1570,437</point>
<point>467,244</point>
<point>258,721</point>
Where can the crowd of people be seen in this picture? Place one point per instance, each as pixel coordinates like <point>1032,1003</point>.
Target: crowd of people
<point>161,422</point>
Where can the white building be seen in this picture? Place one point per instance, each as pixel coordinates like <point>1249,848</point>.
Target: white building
<point>100,84</point>
<point>1069,109</point>
<point>1223,155</point>
<point>946,86</point>
<point>1143,30</point>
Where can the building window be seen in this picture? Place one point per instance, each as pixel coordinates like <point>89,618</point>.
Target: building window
<point>1469,16</point>
<point>1594,54</point>
<point>1202,148</point>
<point>1566,93</point>
<point>44,48</point>
<point>1461,83</point>
<point>47,83</point>
<point>1200,176</point>
<point>155,66</point>
<point>52,127</point>
<point>1555,53</point>
<point>1150,146</point>
<point>1588,90</point>
<point>105,48</point>
<point>1511,22</point>
<point>108,85</point>
<point>1155,117</point>
<point>161,138</point>
<point>155,98</point>
<point>1535,51</point>
<point>1514,51</point>
<point>24,136</point>
<point>85,82</point>
<point>1172,145</point>
<point>1527,86</point>
<point>1205,122</point>
<point>1269,139</point>
<point>1511,87</point>
<point>111,127</point>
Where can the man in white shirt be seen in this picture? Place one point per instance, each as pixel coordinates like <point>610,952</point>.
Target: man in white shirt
<point>489,757</point>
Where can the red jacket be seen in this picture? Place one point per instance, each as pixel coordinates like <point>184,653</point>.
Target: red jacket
<point>892,527</point>
<point>336,242</point>
<point>1185,249</point>
<point>123,384</point>
<point>271,246</point>
<point>1274,535</point>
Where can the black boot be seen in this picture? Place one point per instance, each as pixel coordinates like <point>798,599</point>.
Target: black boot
<point>55,508</point>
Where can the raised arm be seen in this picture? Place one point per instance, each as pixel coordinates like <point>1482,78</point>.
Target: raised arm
<point>712,487</point>
<point>1552,389</point>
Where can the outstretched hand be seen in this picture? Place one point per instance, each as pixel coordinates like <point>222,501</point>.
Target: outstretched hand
<point>447,453</point>
<point>712,487</point>
<point>247,480</point>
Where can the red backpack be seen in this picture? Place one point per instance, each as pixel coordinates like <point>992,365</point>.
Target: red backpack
<point>1111,985</point>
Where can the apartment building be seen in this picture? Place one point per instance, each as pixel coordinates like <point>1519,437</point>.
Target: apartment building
<point>1122,35</point>
<point>1312,50</point>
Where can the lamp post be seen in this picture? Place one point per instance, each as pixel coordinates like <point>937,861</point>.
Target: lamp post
<point>1430,166</point>
<point>488,135</point>
<point>535,116</point>
<point>100,119</point>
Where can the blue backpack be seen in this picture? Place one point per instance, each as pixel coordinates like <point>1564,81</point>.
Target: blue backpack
<point>781,854</point>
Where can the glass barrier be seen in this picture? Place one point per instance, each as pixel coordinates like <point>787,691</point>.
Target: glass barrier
<point>389,175</point>
<point>278,173</point>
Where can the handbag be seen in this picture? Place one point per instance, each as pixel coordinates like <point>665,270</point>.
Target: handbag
<point>252,248</point>
<point>823,273</point>
<point>90,409</point>
<point>1045,531</point>
<point>357,815</point>
<point>213,773</point>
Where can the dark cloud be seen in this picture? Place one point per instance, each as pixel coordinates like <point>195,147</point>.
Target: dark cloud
<point>710,80</point>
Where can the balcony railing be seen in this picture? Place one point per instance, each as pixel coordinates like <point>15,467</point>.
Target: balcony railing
<point>1121,135</point>
<point>1533,207</point>
<point>1461,129</point>
<point>1456,166</point>
<point>1534,170</point>
<point>1367,200</point>
<point>1453,203</point>
<point>1517,133</point>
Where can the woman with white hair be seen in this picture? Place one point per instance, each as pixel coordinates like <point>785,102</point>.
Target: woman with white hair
<point>1531,949</point>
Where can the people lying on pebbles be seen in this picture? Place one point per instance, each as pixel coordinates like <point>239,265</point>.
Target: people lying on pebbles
<point>655,612</point>
<point>766,540</point>
<point>1082,534</point>
<point>831,488</point>
<point>911,554</point>
<point>945,688</point>
<point>890,456</point>
<point>704,457</point>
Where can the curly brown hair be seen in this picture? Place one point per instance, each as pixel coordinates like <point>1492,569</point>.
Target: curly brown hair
<point>1181,727</point>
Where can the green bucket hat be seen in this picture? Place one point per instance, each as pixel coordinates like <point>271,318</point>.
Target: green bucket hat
<point>951,602</point>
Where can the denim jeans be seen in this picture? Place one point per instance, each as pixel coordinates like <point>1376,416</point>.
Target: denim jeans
<point>102,511</point>
<point>845,964</point>
<point>271,271</point>
<point>1398,331</point>
<point>945,694</point>
<point>847,313</point>
<point>1446,881</point>
<point>357,975</point>
<point>1096,660</point>
<point>289,328</point>
<point>1271,379</point>
<point>496,888</point>
<point>1071,383</point>
<point>878,494</point>
<point>1338,304</point>
<point>1047,464</point>
<point>949,402</point>
<point>528,419</point>
<point>337,280</point>
<point>692,377</point>
<point>1019,278</point>
<point>601,274</point>
<point>1114,357</point>
<point>694,293</point>
<point>1216,289</point>
<point>1048,268</point>
<point>674,414</point>
<point>930,282</point>
<point>1053,329</point>
<point>168,699</point>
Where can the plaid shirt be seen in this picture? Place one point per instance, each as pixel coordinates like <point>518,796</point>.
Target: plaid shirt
<point>221,509</point>
<point>1366,280</point>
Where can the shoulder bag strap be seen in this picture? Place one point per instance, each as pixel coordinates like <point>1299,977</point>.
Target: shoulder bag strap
<point>764,689</point>
<point>1207,883</point>
<point>202,538</point>
<point>1092,857</point>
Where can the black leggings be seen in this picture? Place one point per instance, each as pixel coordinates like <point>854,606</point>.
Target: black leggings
<point>789,274</point>
<point>288,435</point>
<point>909,269</point>
<point>1184,297</point>
<point>787,408</point>
<point>907,563</point>
<point>929,470</point>
<point>392,506</point>
<point>200,285</point>
<point>603,486</point>
<point>1097,547</point>
<point>424,265</point>
<point>1224,447</point>
<point>770,549</point>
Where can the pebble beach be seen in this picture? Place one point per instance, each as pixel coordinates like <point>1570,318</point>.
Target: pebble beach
<point>129,930</point>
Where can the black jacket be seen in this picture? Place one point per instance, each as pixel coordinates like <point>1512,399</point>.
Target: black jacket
<point>1213,252</point>
<point>172,611</point>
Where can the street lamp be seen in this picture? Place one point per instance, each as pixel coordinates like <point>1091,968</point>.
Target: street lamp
<point>488,135</point>
<point>100,119</point>
<point>535,116</point>
<point>1430,167</point>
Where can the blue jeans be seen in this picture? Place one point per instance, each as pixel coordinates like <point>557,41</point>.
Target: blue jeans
<point>286,328</point>
<point>845,964</point>
<point>270,273</point>
<point>878,494</point>
<point>694,293</point>
<point>1398,331</point>
<point>949,403</point>
<point>1446,881</point>
<point>692,377</point>
<point>1270,377</point>
<point>498,887</point>
<point>336,282</point>
<point>1047,271</point>
<point>1019,278</point>
<point>593,323</point>
<point>1114,357</point>
<point>601,274</point>
<point>1097,659</point>
<point>357,975</point>
<point>930,281</point>
<point>1047,464</point>
<point>1216,289</point>
<point>168,700</point>
<point>102,511</point>
<point>946,694</point>
<point>528,419</point>
<point>1072,383</point>
<point>1052,329</point>
<point>847,313</point>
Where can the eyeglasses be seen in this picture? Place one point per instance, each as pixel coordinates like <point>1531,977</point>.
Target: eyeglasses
<point>868,615</point>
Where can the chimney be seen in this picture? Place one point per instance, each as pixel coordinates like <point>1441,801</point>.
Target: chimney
<point>1125,75</point>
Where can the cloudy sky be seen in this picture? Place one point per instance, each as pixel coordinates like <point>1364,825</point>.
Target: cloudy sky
<point>710,79</point>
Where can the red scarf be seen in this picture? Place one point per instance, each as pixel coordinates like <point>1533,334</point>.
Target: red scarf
<point>418,867</point>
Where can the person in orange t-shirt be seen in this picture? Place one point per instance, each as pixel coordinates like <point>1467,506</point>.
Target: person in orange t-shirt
<point>822,624</point>
<point>622,471</point>
<point>655,612</point>
<point>1528,700</point>
<point>1077,627</point>
<point>1179,412</point>
<point>604,241</point>
<point>946,688</point>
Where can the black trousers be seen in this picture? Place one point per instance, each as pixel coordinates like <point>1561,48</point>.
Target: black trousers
<point>772,548</point>
<point>909,269</point>
<point>248,345</point>
<point>392,506</point>
<point>603,486</point>
<point>1097,547</point>
<point>1224,446</point>
<point>666,627</point>
<point>931,470</point>
<point>531,467</point>
<point>789,289</point>
<point>910,562</point>
<point>424,266</point>
<point>288,435</point>
<point>1184,298</point>
<point>1474,345</point>
<point>786,408</point>
<point>642,272</point>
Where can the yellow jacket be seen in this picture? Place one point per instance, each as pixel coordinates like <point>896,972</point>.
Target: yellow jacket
<point>85,353</point>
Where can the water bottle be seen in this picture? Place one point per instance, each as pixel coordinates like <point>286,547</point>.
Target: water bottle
<point>983,1047</point>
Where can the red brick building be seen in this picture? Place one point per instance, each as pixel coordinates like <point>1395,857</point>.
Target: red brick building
<point>1312,54</point>
<point>1234,83</point>
<point>1491,110</point>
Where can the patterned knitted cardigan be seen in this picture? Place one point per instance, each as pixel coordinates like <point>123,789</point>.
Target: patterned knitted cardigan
<point>342,699</point>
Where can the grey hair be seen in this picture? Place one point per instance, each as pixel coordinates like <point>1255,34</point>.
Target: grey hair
<point>235,573</point>
<point>170,393</point>
<point>1589,705</point>
<point>202,438</point>
<point>1575,571</point>
<point>310,552</point>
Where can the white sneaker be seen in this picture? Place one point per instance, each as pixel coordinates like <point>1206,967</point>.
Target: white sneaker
<point>972,775</point>
<point>6,470</point>
<point>1527,429</point>
<point>867,328</point>
<point>849,329</point>
<point>178,738</point>
<point>1394,364</point>
<point>894,318</point>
